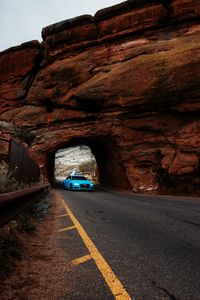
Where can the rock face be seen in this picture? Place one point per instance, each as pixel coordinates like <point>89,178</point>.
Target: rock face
<point>125,82</point>
<point>70,159</point>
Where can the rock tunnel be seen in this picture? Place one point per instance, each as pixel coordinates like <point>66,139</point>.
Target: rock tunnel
<point>110,170</point>
<point>125,82</point>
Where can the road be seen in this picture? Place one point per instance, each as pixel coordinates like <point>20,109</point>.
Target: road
<point>150,243</point>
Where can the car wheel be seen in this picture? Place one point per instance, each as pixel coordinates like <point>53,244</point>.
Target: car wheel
<point>71,187</point>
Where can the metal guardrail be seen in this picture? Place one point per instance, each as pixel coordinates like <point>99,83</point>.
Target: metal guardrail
<point>11,204</point>
<point>22,167</point>
<point>17,195</point>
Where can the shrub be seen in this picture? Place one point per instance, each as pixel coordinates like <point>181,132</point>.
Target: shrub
<point>24,135</point>
<point>88,169</point>
<point>87,166</point>
<point>7,182</point>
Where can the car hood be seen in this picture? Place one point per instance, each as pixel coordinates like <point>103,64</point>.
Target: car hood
<point>81,181</point>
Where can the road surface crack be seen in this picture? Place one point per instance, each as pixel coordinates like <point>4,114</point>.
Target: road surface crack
<point>191,223</point>
<point>172,297</point>
<point>184,221</point>
<point>155,285</point>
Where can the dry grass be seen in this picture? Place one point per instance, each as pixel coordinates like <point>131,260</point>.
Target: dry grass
<point>32,264</point>
<point>87,167</point>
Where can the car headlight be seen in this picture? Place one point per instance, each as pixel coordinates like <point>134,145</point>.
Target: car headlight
<point>91,184</point>
<point>76,184</point>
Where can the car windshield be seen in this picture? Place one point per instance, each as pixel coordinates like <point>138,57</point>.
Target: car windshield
<point>78,178</point>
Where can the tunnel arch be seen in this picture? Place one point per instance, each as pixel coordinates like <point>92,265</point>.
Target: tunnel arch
<point>110,170</point>
<point>91,81</point>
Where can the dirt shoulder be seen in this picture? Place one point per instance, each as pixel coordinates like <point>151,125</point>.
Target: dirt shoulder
<point>32,265</point>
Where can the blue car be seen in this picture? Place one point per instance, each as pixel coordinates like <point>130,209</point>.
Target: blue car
<point>78,183</point>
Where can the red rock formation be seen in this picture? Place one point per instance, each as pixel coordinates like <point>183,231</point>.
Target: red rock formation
<point>16,65</point>
<point>125,82</point>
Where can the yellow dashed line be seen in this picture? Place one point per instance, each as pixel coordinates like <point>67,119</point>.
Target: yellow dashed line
<point>81,260</point>
<point>65,215</point>
<point>112,281</point>
<point>67,228</point>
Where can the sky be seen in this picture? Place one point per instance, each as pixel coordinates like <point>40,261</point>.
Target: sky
<point>22,20</point>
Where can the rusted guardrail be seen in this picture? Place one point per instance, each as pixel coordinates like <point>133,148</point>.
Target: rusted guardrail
<point>22,167</point>
<point>17,195</point>
<point>13,203</point>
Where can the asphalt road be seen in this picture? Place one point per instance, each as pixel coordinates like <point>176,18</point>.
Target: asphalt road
<point>152,244</point>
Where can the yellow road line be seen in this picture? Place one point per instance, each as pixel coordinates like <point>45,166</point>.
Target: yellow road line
<point>112,281</point>
<point>67,228</point>
<point>65,215</point>
<point>81,260</point>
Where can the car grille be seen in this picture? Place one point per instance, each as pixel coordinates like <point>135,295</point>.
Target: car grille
<point>85,186</point>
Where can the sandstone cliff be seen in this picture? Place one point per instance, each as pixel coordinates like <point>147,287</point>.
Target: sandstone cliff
<point>125,82</point>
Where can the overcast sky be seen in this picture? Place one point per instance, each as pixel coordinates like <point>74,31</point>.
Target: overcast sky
<point>22,20</point>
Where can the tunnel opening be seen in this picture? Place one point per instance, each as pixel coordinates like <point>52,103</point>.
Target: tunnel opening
<point>75,159</point>
<point>104,155</point>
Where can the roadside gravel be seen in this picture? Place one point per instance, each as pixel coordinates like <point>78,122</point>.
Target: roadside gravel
<point>32,265</point>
